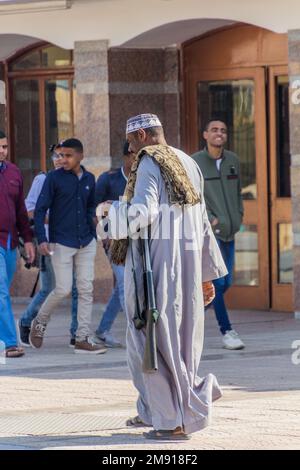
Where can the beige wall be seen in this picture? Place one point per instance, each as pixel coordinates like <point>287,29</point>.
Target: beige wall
<point>121,20</point>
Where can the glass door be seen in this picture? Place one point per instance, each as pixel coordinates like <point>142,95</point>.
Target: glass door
<point>238,97</point>
<point>42,114</point>
<point>59,121</point>
<point>25,118</point>
<point>280,191</point>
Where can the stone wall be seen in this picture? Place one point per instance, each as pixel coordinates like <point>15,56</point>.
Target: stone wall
<point>92,103</point>
<point>2,99</point>
<point>294,74</point>
<point>92,127</point>
<point>143,81</point>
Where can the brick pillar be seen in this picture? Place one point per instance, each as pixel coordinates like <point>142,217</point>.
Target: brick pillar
<point>294,74</point>
<point>92,103</point>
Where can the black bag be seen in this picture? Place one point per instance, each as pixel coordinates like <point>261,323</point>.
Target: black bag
<point>36,262</point>
<point>21,246</point>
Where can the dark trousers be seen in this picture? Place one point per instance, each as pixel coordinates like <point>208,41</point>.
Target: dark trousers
<point>222,285</point>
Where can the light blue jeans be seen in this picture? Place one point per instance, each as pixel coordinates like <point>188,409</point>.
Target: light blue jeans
<point>8,261</point>
<point>115,303</point>
<point>47,279</point>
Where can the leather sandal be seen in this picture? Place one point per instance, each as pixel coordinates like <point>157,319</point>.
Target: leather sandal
<point>136,422</point>
<point>14,351</point>
<point>167,435</point>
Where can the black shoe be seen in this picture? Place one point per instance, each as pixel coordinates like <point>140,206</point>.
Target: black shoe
<point>24,334</point>
<point>72,342</point>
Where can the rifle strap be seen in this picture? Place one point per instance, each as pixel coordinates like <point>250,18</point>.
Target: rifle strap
<point>35,284</point>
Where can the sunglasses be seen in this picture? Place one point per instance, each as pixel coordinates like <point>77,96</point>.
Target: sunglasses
<point>55,156</point>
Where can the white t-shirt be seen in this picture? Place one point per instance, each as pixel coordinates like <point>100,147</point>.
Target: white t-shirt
<point>218,163</point>
<point>33,195</point>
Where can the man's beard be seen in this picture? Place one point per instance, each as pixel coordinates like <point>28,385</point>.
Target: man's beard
<point>218,146</point>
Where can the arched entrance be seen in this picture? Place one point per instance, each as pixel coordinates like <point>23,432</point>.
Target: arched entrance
<point>240,74</point>
<point>41,105</point>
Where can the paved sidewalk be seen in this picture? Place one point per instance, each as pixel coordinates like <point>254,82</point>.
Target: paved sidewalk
<point>55,399</point>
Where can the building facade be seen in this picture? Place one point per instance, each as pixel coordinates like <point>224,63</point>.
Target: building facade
<point>83,67</point>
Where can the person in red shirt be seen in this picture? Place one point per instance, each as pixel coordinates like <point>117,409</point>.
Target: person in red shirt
<point>13,222</point>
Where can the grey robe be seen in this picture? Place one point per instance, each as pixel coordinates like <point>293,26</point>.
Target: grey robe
<point>174,395</point>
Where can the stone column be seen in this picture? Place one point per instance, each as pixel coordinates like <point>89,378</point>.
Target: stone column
<point>2,99</point>
<point>92,103</point>
<point>92,128</point>
<point>294,77</point>
<point>172,91</point>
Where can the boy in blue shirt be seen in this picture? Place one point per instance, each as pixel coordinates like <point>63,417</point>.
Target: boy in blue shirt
<point>47,277</point>
<point>69,195</point>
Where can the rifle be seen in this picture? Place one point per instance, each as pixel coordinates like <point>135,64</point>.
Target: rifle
<point>149,316</point>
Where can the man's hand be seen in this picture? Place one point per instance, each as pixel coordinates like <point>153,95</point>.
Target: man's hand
<point>30,252</point>
<point>103,209</point>
<point>208,292</point>
<point>214,222</point>
<point>44,249</point>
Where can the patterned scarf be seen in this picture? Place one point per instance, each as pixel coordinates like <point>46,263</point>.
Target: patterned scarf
<point>179,187</point>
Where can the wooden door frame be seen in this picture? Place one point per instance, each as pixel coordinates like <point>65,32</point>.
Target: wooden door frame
<point>39,74</point>
<point>280,208</point>
<point>41,78</point>
<point>256,212</point>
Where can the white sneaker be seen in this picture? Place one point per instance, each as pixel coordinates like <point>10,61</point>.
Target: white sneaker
<point>108,339</point>
<point>231,340</point>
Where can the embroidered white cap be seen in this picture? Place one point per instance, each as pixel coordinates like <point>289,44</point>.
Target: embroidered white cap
<point>142,121</point>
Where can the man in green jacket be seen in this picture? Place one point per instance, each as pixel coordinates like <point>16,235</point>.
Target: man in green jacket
<point>222,193</point>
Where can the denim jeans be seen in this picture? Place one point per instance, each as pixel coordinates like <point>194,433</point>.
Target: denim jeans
<point>47,280</point>
<point>74,321</point>
<point>222,285</point>
<point>8,334</point>
<point>115,303</point>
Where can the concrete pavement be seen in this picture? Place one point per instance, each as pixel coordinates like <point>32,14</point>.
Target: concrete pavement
<point>55,399</point>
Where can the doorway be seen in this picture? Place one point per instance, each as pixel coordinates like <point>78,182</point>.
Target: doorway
<point>245,83</point>
<point>41,107</point>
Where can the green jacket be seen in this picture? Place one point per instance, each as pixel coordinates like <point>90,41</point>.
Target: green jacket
<point>222,192</point>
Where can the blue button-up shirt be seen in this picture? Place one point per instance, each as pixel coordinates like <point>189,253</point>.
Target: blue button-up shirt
<point>71,204</point>
<point>110,186</point>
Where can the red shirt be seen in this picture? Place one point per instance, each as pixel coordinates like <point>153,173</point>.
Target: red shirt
<point>13,213</point>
